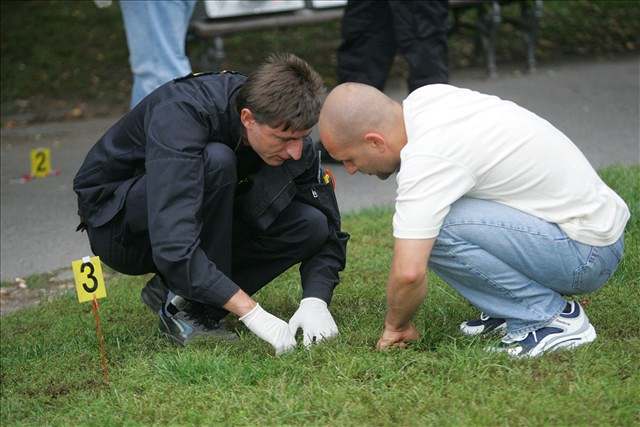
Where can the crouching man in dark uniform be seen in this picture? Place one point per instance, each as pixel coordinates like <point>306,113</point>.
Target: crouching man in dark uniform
<point>212,183</point>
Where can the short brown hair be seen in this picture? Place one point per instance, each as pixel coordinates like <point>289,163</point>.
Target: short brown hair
<point>283,92</point>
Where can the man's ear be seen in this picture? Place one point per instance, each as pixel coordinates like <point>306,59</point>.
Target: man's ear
<point>375,140</point>
<point>247,118</point>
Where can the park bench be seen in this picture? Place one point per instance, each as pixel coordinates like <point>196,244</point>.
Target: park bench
<point>488,17</point>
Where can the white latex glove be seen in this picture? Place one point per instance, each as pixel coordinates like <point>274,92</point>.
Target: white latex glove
<point>316,322</point>
<point>273,330</point>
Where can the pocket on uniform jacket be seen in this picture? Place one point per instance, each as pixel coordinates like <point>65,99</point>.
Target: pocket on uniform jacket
<point>258,208</point>
<point>323,198</point>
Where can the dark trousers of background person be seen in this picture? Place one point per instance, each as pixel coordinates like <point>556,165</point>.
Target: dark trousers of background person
<point>249,257</point>
<point>374,30</point>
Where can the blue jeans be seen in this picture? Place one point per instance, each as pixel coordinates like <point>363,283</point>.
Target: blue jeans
<point>515,266</point>
<point>156,32</point>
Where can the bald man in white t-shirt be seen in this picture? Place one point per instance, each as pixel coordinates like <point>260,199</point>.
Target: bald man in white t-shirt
<point>494,199</point>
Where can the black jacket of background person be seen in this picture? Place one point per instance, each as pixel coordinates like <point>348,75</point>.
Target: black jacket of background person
<point>164,137</point>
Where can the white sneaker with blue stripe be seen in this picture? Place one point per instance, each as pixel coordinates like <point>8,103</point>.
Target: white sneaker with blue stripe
<point>569,329</point>
<point>483,325</point>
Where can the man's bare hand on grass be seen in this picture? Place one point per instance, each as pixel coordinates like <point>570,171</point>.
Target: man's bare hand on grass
<point>397,337</point>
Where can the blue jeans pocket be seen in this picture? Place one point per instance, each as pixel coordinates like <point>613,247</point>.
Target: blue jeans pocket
<point>600,264</point>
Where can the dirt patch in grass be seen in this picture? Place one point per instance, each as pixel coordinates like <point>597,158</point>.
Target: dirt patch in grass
<point>31,291</point>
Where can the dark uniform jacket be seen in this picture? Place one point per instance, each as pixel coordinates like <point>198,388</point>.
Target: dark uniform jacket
<point>164,137</point>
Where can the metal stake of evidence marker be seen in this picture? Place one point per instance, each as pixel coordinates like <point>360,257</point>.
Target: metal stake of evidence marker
<point>90,287</point>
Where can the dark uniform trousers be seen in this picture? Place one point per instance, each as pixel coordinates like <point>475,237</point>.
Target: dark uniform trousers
<point>249,257</point>
<point>373,30</point>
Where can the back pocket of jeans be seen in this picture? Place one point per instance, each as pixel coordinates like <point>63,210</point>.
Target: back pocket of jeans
<point>600,266</point>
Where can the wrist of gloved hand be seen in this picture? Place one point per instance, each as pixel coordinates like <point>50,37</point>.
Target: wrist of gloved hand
<point>270,328</point>
<point>314,318</point>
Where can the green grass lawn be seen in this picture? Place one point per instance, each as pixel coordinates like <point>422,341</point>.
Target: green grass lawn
<point>50,372</point>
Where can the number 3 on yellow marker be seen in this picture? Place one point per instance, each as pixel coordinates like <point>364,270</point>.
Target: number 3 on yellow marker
<point>89,280</point>
<point>40,162</point>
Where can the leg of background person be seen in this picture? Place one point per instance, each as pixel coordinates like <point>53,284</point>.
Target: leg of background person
<point>421,37</point>
<point>368,47</point>
<point>156,33</point>
<point>258,258</point>
<point>509,264</point>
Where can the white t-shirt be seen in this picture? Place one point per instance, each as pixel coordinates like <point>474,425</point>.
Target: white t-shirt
<point>464,143</point>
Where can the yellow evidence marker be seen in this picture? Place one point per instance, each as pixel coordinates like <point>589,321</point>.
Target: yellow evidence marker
<point>40,162</point>
<point>89,280</point>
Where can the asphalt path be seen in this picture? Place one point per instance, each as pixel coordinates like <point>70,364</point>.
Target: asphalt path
<point>595,103</point>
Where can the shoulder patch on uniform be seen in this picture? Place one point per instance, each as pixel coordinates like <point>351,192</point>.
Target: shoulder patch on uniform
<point>192,75</point>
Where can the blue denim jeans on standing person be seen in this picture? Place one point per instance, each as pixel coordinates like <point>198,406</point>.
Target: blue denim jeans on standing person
<point>515,266</point>
<point>156,31</point>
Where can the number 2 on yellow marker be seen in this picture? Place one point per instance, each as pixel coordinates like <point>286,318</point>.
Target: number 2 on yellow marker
<point>40,162</point>
<point>89,280</point>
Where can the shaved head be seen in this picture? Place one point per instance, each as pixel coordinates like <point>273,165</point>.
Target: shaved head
<point>363,128</point>
<point>353,109</point>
